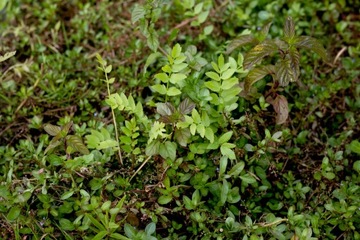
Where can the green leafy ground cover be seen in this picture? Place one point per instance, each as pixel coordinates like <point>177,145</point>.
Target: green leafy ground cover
<point>179,119</point>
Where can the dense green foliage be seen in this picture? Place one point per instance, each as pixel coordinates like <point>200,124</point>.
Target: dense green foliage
<point>181,119</point>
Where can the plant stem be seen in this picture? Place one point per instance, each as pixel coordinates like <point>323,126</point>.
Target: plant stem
<point>114,119</point>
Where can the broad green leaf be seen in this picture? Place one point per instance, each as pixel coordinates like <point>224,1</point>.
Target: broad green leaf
<point>76,143</point>
<point>162,77</point>
<point>241,41</point>
<point>213,75</point>
<point>66,225</point>
<point>118,236</point>
<point>213,86</point>
<point>247,178</point>
<point>138,13</point>
<point>168,150</point>
<point>173,91</point>
<point>178,67</point>
<point>153,40</point>
<point>311,44</point>
<point>177,78</point>
<point>196,116</point>
<point>224,192</point>
<point>151,59</point>
<point>227,74</point>
<point>257,74</point>
<point>201,130</point>
<point>182,136</point>
<point>152,148</point>
<point>223,165</point>
<point>355,146</point>
<point>260,51</point>
<point>226,151</point>
<point>356,166</point>
<point>186,106</point>
<point>109,143</point>
<point>108,69</point>
<point>225,137</point>
<point>95,222</point>
<point>66,195</point>
<point>227,84</point>
<point>209,134</point>
<point>236,169</point>
<point>52,129</point>
<point>202,16</point>
<point>221,62</point>
<point>176,51</point>
<point>7,55</point>
<point>159,88</point>
<point>150,228</point>
<point>14,213</point>
<point>164,199</point>
<point>289,30</point>
<point>130,231</point>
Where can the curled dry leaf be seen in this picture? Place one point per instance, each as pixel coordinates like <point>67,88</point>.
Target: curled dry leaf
<point>281,108</point>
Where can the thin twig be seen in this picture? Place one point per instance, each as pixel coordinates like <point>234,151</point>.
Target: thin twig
<point>142,165</point>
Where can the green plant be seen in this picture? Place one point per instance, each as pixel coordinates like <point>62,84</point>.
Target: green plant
<point>287,67</point>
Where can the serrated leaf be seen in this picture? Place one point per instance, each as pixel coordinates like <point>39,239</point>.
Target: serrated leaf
<point>182,136</point>
<point>76,143</point>
<point>241,41</point>
<point>173,91</point>
<point>152,148</point>
<point>186,106</point>
<point>294,57</point>
<point>165,109</point>
<point>7,56</point>
<point>153,40</point>
<point>260,51</point>
<point>284,73</point>
<point>311,44</point>
<point>52,129</point>
<point>168,150</point>
<point>257,74</point>
<point>138,13</point>
<point>289,30</point>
